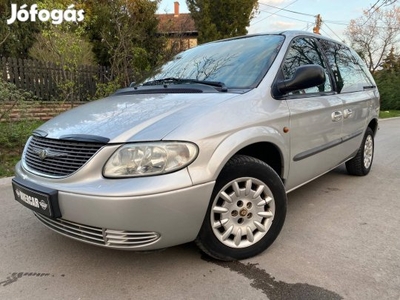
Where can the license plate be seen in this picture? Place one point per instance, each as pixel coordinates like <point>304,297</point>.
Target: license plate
<point>39,199</point>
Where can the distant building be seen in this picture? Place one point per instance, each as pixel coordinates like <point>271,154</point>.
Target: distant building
<point>179,28</point>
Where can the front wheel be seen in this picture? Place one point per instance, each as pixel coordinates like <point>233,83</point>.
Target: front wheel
<point>361,164</point>
<point>246,212</point>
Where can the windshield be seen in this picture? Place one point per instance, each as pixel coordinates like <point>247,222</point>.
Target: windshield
<point>238,63</point>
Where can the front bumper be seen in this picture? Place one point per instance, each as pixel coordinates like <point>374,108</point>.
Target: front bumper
<point>139,222</point>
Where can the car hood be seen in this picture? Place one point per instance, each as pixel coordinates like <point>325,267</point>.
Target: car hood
<point>122,118</point>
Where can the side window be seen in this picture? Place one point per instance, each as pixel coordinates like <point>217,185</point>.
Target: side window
<point>305,51</point>
<point>350,74</point>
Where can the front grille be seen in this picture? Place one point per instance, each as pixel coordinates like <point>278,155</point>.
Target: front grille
<point>118,239</point>
<point>58,158</point>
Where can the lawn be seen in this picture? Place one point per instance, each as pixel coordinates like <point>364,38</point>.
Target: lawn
<point>389,114</point>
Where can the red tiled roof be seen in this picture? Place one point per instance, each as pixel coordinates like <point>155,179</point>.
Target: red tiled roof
<point>171,23</point>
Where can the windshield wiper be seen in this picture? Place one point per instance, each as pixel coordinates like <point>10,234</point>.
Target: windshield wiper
<point>186,80</point>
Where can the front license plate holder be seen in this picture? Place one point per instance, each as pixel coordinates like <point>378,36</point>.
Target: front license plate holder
<point>37,198</point>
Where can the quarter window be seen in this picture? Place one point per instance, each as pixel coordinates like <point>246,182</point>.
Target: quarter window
<point>305,51</point>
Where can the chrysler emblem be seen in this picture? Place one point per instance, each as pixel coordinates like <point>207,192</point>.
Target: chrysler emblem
<point>47,152</point>
<point>43,154</point>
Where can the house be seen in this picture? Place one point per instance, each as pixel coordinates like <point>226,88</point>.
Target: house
<point>179,28</point>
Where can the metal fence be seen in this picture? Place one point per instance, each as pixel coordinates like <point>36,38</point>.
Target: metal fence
<point>49,81</point>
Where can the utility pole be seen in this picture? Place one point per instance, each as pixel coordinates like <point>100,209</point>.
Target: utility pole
<point>318,23</point>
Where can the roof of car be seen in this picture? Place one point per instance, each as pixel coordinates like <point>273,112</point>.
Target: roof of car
<point>286,33</point>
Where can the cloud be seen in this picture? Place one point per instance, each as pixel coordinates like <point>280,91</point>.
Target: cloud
<point>272,26</point>
<point>284,25</point>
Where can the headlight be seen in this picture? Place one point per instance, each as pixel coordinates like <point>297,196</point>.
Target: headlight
<point>145,159</point>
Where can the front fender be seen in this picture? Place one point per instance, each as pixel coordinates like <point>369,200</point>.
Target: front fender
<point>231,144</point>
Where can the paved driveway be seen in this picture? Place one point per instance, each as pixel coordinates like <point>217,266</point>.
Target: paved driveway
<point>341,240</point>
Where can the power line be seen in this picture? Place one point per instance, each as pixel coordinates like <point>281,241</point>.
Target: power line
<point>342,23</point>
<point>326,33</point>
<point>292,18</point>
<point>331,30</point>
<point>271,14</point>
<point>375,9</point>
<point>291,11</point>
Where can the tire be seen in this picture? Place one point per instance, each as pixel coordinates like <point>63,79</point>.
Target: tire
<point>246,211</point>
<point>361,164</point>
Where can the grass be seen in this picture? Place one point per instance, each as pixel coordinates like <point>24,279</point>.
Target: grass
<point>389,114</point>
<point>13,136</point>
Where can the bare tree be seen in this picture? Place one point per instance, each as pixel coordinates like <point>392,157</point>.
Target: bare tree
<point>374,34</point>
<point>379,3</point>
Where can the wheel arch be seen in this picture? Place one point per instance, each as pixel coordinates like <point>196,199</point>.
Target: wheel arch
<point>264,143</point>
<point>266,152</point>
<point>373,124</point>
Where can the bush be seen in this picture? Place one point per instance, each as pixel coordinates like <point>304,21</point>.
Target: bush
<point>106,89</point>
<point>13,134</point>
<point>388,83</point>
<point>12,140</point>
<point>9,93</point>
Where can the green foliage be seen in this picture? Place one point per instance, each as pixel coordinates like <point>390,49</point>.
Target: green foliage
<point>388,81</point>
<point>66,49</point>
<point>65,45</point>
<point>13,134</point>
<point>62,48</point>
<point>124,36</point>
<point>221,19</point>
<point>388,85</point>
<point>12,140</point>
<point>16,38</point>
<point>10,94</point>
<point>106,89</point>
<point>389,114</point>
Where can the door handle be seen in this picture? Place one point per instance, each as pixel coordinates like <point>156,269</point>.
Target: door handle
<point>337,116</point>
<point>347,113</point>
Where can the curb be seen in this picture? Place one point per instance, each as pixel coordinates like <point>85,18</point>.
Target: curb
<point>386,119</point>
<point>5,181</point>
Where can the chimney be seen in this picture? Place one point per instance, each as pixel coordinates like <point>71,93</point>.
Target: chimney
<point>176,9</point>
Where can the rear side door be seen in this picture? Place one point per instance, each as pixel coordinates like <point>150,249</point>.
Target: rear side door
<point>315,117</point>
<point>355,89</point>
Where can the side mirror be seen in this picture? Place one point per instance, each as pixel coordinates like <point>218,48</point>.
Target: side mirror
<point>133,83</point>
<point>304,77</point>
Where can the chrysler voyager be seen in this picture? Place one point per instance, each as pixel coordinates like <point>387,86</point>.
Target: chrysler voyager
<point>206,149</point>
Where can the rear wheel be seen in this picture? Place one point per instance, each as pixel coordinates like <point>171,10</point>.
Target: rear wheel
<point>361,164</point>
<point>246,212</point>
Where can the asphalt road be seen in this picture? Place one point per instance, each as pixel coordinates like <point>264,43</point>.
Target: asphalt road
<point>341,240</point>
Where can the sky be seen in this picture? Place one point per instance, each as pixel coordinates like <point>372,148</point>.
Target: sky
<point>335,14</point>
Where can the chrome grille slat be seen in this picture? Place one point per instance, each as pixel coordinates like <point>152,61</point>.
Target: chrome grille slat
<point>73,155</point>
<point>118,232</point>
<point>128,238</point>
<point>69,231</point>
<point>99,236</point>
<point>125,243</point>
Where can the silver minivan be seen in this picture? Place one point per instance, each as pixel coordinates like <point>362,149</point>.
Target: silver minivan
<point>206,149</point>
